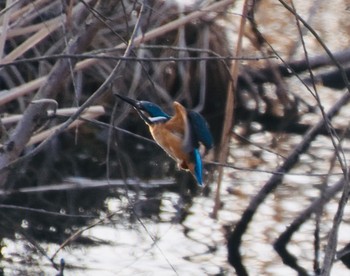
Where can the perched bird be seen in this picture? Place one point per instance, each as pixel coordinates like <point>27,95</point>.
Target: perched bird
<point>179,135</point>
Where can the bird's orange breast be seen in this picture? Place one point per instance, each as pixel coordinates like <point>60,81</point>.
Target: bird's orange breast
<point>170,136</point>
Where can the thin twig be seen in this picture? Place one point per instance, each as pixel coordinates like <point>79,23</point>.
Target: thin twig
<point>333,235</point>
<point>281,243</point>
<point>35,84</point>
<point>137,59</point>
<point>229,109</point>
<point>235,238</point>
<point>42,211</point>
<point>24,129</point>
<point>78,233</point>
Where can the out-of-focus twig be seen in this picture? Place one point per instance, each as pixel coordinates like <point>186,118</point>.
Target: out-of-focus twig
<point>229,109</point>
<point>152,34</point>
<point>24,129</point>
<point>4,26</point>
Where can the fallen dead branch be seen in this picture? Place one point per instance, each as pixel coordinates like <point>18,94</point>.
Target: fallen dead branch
<point>80,183</point>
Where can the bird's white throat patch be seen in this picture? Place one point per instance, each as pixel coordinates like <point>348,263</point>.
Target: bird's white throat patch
<point>158,119</point>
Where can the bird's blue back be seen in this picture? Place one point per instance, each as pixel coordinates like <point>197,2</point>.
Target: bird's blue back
<point>153,110</point>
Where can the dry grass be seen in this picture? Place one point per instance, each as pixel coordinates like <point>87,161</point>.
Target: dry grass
<point>36,34</point>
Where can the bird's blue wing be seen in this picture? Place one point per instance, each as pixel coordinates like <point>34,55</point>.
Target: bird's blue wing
<point>190,141</point>
<point>198,169</point>
<point>200,130</point>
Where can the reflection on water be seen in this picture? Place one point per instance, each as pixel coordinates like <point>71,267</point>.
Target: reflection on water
<point>159,230</point>
<point>164,244</point>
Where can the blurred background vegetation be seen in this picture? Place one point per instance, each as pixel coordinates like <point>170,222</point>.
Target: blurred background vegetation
<point>267,66</point>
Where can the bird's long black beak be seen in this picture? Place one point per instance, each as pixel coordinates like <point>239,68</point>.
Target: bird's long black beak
<point>130,101</point>
<point>137,105</point>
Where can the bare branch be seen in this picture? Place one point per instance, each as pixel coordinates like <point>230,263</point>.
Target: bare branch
<point>23,131</point>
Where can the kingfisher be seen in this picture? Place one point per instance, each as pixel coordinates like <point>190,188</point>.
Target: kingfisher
<point>180,135</point>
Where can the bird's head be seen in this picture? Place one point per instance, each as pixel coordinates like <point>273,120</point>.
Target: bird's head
<point>149,112</point>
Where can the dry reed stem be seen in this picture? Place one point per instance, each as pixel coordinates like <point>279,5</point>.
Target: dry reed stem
<point>89,113</point>
<point>81,183</point>
<point>4,28</point>
<point>35,84</point>
<point>229,111</point>
<point>32,41</point>
<point>22,133</point>
<point>25,9</point>
<point>6,9</point>
<point>22,90</point>
<point>31,29</point>
<point>45,29</point>
<point>60,112</point>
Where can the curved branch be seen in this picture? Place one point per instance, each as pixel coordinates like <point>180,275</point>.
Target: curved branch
<point>235,238</point>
